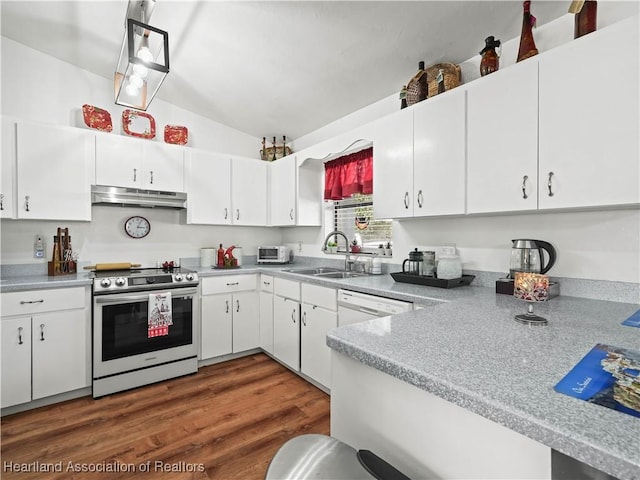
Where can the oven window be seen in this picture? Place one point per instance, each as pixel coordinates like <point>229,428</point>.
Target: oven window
<point>269,253</point>
<point>125,329</point>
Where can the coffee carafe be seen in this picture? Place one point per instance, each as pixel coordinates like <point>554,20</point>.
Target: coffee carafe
<point>527,256</point>
<point>414,265</point>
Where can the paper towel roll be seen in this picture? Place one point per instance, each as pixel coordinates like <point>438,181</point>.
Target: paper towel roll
<point>207,257</point>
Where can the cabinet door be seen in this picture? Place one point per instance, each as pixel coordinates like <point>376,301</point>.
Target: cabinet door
<point>60,362</point>
<point>286,331</point>
<point>54,166</point>
<point>502,140</point>
<point>208,185</point>
<point>7,175</point>
<point>246,321</point>
<point>119,161</point>
<point>249,191</point>
<point>316,355</point>
<point>16,361</point>
<point>439,155</point>
<point>163,167</point>
<point>266,321</point>
<point>217,326</point>
<point>393,165</point>
<point>282,178</point>
<point>589,124</point>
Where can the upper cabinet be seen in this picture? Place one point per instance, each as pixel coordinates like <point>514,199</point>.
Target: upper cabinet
<point>208,185</point>
<point>248,191</point>
<point>54,171</point>
<point>502,140</point>
<point>589,150</point>
<point>282,181</point>
<point>7,175</point>
<point>134,163</point>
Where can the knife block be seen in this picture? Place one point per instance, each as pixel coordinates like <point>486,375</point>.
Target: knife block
<point>62,268</point>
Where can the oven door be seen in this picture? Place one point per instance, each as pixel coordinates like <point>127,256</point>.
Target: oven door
<point>121,342</point>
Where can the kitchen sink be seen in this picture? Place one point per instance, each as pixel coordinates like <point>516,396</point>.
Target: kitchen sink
<point>340,275</point>
<point>315,271</point>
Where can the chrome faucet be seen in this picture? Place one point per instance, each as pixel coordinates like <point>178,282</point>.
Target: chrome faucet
<point>336,233</point>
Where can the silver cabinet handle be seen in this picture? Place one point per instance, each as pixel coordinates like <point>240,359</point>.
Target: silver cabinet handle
<point>420,198</point>
<point>291,214</point>
<point>524,187</point>
<point>151,176</point>
<point>226,213</point>
<point>26,203</point>
<point>232,284</point>
<point>266,283</point>
<point>304,318</point>
<point>135,174</point>
<point>42,332</point>
<point>406,200</point>
<point>20,342</point>
<point>549,185</point>
<point>1,201</point>
<point>237,214</point>
<point>293,315</point>
<point>24,302</point>
<point>227,302</point>
<point>237,305</point>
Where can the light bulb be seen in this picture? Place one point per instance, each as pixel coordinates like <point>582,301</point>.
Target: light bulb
<point>140,70</point>
<point>136,81</point>
<point>131,90</point>
<point>145,54</point>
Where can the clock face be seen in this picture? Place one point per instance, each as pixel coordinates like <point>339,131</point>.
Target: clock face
<point>137,227</point>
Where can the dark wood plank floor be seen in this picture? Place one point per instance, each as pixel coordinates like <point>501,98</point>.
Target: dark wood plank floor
<point>225,422</point>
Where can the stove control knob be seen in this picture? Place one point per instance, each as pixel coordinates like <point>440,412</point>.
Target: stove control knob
<point>178,277</point>
<point>190,277</point>
<point>105,282</point>
<point>121,282</point>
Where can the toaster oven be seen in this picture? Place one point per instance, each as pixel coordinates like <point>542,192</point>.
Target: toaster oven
<point>273,254</point>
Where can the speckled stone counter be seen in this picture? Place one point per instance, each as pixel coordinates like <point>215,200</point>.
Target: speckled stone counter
<point>469,351</point>
<point>20,283</point>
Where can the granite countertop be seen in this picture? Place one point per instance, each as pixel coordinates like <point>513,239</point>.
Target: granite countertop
<point>479,358</point>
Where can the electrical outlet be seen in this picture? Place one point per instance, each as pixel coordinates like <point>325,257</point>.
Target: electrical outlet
<point>38,247</point>
<point>299,245</point>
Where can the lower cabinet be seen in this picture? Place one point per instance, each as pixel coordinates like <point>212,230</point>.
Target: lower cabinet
<point>286,322</point>
<point>230,315</point>
<point>45,344</point>
<point>318,315</point>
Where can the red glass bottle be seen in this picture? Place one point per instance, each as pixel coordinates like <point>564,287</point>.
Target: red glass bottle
<point>490,61</point>
<point>527,44</point>
<point>220,262</point>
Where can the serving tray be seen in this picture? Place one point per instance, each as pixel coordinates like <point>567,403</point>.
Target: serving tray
<point>432,281</point>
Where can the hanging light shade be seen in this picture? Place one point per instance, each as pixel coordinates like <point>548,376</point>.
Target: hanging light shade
<point>142,66</point>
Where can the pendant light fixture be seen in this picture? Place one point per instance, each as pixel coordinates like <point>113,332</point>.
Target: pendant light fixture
<point>144,58</point>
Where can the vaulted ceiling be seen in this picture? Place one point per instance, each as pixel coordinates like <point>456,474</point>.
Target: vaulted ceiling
<point>276,67</point>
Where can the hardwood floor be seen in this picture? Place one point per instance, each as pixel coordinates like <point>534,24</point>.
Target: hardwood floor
<point>225,422</point>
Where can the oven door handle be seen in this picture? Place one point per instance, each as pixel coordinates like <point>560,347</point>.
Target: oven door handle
<point>116,298</point>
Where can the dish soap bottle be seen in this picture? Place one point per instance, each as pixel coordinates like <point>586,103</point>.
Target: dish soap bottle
<point>527,44</point>
<point>490,61</point>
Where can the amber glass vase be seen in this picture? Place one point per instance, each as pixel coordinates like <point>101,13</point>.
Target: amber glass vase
<point>527,44</point>
<point>490,62</point>
<point>586,18</point>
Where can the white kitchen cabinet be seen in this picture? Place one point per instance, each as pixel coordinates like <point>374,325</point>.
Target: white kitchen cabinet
<point>439,155</point>
<point>589,123</point>
<point>318,315</point>
<point>248,191</point>
<point>134,163</point>
<point>7,175</point>
<point>16,361</point>
<point>282,191</point>
<point>230,315</point>
<point>54,172</point>
<point>45,343</point>
<point>502,140</point>
<point>266,313</point>
<point>393,165</point>
<point>208,186</point>
<point>286,322</point>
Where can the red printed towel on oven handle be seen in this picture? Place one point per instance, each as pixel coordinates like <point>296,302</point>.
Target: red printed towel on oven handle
<point>160,314</point>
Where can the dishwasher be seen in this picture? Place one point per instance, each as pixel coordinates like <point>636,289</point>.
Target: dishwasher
<point>356,307</point>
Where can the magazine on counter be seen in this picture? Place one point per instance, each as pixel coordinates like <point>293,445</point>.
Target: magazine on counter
<point>608,376</point>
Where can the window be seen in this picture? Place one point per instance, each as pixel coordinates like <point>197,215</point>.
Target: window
<point>354,217</point>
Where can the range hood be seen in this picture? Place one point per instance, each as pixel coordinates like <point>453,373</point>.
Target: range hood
<point>135,197</point>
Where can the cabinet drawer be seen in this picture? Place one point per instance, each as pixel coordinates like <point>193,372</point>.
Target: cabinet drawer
<point>286,288</point>
<point>320,296</point>
<point>232,283</point>
<point>37,301</point>
<point>266,283</point>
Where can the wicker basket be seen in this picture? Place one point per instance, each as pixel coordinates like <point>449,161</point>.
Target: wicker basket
<point>452,78</point>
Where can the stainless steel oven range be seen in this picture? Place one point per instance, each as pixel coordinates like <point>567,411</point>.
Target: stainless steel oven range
<point>128,349</point>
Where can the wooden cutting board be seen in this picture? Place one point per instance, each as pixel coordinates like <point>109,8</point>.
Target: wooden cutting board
<point>112,266</point>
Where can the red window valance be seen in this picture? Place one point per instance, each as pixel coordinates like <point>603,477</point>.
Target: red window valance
<point>350,174</point>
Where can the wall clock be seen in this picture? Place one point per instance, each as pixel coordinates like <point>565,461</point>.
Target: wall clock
<point>137,227</point>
